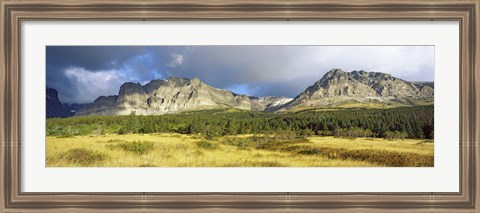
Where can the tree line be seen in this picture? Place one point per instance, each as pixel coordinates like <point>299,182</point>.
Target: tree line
<point>404,122</point>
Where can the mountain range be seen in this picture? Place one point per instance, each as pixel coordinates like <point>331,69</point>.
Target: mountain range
<point>336,88</point>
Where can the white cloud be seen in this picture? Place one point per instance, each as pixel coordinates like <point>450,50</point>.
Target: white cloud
<point>94,84</point>
<point>176,60</point>
<point>410,62</point>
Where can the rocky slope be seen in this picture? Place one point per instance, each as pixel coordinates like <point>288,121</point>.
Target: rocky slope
<point>337,87</point>
<point>172,95</point>
<point>55,108</point>
<point>424,83</point>
<point>269,103</point>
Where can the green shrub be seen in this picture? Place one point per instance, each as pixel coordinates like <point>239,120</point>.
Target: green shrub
<point>354,132</point>
<point>206,144</point>
<point>309,152</point>
<point>138,147</point>
<point>268,142</point>
<point>307,132</point>
<point>390,135</point>
<point>382,157</point>
<point>238,142</point>
<point>83,156</point>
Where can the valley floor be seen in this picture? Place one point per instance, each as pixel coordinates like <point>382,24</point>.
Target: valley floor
<point>177,150</point>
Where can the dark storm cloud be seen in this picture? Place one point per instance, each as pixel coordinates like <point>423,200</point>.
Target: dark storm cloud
<point>92,57</point>
<point>60,59</point>
<point>82,73</point>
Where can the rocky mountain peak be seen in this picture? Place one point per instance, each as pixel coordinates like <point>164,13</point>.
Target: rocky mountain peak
<point>338,86</point>
<point>129,88</point>
<point>338,76</point>
<point>52,93</point>
<point>334,72</point>
<point>195,81</point>
<point>177,81</point>
<point>54,108</point>
<point>165,96</point>
<point>359,72</point>
<point>153,85</point>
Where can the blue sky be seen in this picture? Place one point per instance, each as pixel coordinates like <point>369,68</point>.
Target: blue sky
<point>82,73</point>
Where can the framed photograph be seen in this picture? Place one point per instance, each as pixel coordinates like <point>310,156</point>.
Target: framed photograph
<point>239,106</point>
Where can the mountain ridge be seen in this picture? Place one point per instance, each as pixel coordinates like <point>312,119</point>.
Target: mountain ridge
<point>336,87</point>
<point>170,96</point>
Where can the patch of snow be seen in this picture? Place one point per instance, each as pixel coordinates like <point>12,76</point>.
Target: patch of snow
<point>282,101</point>
<point>218,89</point>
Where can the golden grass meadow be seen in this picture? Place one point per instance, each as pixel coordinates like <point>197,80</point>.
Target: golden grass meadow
<point>180,150</point>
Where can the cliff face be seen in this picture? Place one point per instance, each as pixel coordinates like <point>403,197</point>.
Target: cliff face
<point>337,86</point>
<point>55,108</point>
<point>165,96</point>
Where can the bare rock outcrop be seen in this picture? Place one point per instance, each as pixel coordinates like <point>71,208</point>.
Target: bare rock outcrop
<point>337,86</point>
<point>165,96</point>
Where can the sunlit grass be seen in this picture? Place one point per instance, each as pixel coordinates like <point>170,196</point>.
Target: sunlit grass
<point>420,146</point>
<point>176,150</point>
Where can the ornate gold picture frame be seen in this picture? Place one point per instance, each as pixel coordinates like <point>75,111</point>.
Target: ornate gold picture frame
<point>13,13</point>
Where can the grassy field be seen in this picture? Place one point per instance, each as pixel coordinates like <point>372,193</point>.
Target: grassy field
<point>180,150</point>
